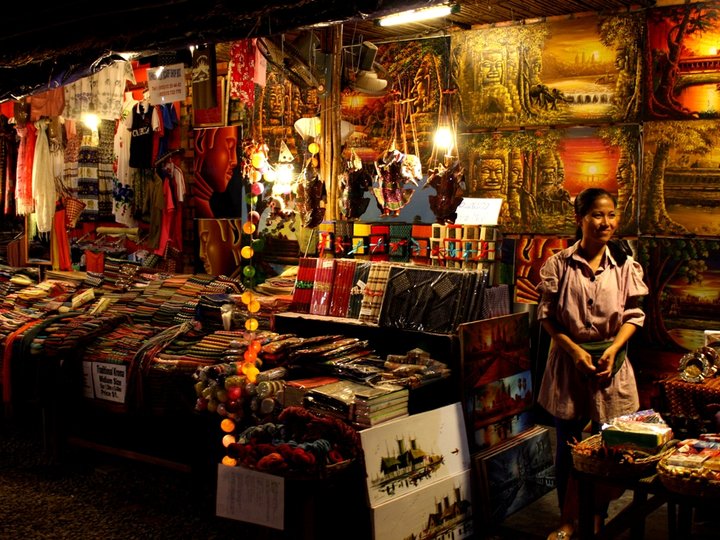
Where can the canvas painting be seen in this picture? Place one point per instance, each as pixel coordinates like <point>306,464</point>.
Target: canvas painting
<point>556,72</point>
<point>407,112</point>
<point>503,429</point>
<point>216,187</point>
<point>684,278</point>
<point>531,252</point>
<point>680,186</point>
<point>492,350</point>
<point>538,174</point>
<point>439,510</point>
<point>683,71</point>
<point>405,455</point>
<point>497,400</point>
<point>514,474</point>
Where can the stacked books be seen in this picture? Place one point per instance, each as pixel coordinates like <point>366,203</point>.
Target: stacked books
<point>357,403</point>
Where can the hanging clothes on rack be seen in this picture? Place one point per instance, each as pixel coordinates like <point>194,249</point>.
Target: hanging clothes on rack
<point>43,181</point>
<point>27,134</point>
<point>123,196</point>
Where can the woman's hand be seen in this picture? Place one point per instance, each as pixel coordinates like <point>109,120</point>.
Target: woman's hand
<point>605,365</point>
<point>583,360</point>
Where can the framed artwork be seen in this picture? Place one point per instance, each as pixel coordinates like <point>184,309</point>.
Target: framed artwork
<point>683,277</point>
<point>439,510</point>
<point>538,174</point>
<point>494,433</point>
<point>214,116</point>
<point>514,474</point>
<point>493,350</point>
<point>505,398</point>
<point>405,455</point>
<point>556,72</point>
<point>531,252</point>
<point>680,185</point>
<point>682,71</point>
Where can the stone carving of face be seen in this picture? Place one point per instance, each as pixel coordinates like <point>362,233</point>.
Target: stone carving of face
<point>492,68</point>
<point>491,180</point>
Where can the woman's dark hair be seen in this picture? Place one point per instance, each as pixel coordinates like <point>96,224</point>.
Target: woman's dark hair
<point>619,249</point>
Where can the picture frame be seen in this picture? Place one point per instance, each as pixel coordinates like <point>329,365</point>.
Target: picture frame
<point>405,455</point>
<point>214,116</point>
<point>513,474</point>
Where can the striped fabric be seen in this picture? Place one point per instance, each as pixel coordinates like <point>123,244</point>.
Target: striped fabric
<point>374,292</point>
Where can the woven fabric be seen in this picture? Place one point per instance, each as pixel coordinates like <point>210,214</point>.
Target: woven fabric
<point>374,292</point>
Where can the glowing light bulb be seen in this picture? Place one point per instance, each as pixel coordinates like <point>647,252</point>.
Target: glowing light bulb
<point>444,138</point>
<point>227,425</point>
<point>247,252</point>
<point>230,462</point>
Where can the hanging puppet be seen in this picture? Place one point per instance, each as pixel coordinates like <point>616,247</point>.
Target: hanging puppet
<point>394,170</point>
<point>354,181</point>
<point>311,192</point>
<point>449,184</point>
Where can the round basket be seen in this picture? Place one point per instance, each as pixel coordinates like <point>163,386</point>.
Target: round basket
<point>588,458</point>
<point>687,482</point>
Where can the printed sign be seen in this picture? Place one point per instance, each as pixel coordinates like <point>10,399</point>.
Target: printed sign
<point>109,381</point>
<point>478,211</point>
<point>167,84</point>
<point>250,496</point>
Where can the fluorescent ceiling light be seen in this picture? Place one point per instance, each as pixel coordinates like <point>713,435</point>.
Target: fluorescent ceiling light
<point>415,15</point>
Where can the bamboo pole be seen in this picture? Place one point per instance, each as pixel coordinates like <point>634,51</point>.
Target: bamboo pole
<point>330,119</point>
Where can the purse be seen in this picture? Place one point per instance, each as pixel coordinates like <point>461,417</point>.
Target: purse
<point>597,348</point>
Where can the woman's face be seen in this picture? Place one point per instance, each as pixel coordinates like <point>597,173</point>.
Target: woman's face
<point>599,224</point>
<point>219,159</point>
<point>219,247</point>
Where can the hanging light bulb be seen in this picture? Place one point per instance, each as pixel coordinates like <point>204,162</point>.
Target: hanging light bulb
<point>444,138</point>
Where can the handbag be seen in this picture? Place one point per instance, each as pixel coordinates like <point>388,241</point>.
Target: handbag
<point>597,348</point>
<point>73,206</point>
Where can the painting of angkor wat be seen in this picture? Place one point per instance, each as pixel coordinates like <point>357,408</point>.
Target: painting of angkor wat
<point>538,174</point>
<point>680,188</point>
<point>683,65</point>
<point>555,72</point>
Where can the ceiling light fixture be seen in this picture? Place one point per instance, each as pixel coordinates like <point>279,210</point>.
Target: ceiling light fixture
<point>416,15</point>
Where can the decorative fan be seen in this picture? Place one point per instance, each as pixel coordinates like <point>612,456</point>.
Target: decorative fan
<point>361,72</point>
<point>301,60</point>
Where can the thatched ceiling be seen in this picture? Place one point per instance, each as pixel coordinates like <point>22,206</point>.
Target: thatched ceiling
<point>46,43</point>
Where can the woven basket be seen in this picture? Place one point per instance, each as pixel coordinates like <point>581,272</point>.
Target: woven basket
<point>686,482</point>
<point>585,459</point>
<point>73,209</point>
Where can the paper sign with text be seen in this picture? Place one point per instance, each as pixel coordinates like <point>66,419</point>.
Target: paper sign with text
<point>478,211</point>
<point>109,381</point>
<point>250,496</point>
<point>167,84</point>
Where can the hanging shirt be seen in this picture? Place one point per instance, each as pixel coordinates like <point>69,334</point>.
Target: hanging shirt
<point>141,123</point>
<point>204,77</point>
<point>100,93</point>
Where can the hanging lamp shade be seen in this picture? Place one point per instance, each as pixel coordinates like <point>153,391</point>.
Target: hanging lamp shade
<point>312,128</point>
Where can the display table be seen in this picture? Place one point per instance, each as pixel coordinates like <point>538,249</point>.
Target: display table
<point>649,494</point>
